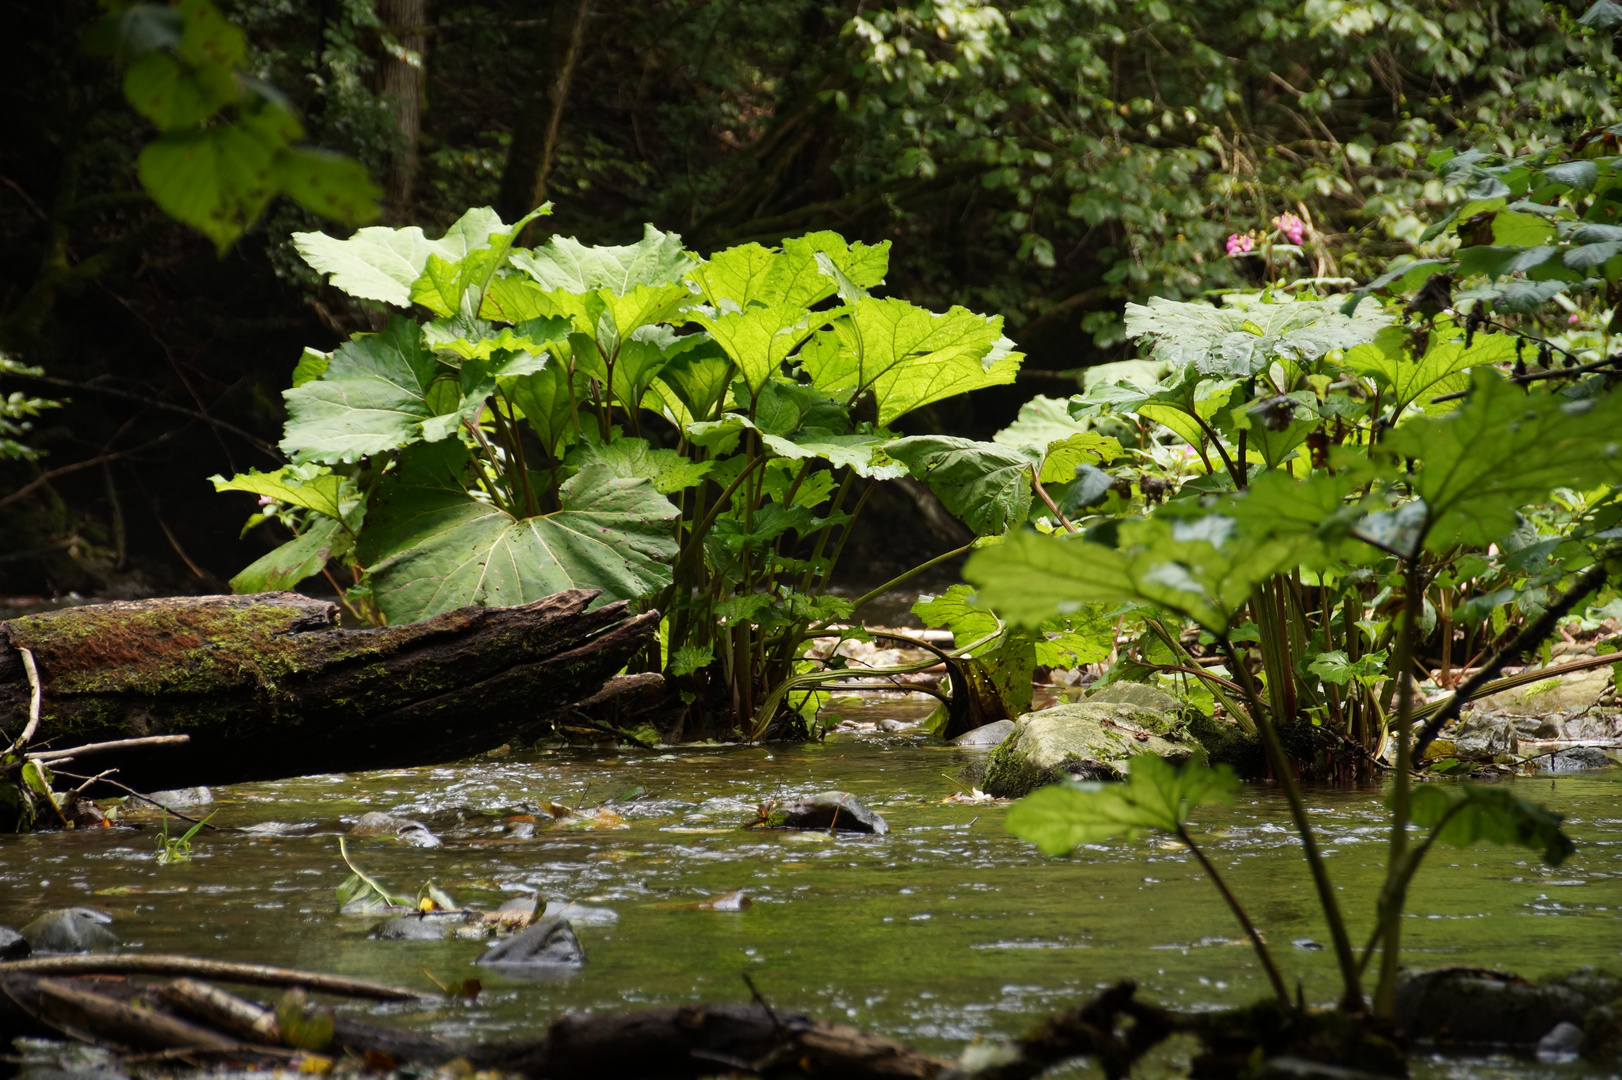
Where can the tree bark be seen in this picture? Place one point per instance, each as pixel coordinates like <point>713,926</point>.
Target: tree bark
<point>402,82</point>
<point>540,115</point>
<point>267,686</point>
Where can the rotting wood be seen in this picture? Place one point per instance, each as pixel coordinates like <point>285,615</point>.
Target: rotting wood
<point>240,1017</point>
<point>268,686</point>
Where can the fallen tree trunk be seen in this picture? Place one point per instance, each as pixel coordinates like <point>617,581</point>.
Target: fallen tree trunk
<point>268,686</point>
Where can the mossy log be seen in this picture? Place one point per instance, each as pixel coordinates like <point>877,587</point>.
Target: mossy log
<point>268,686</point>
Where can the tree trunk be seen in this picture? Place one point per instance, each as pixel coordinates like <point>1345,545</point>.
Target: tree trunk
<point>267,686</point>
<point>540,113</point>
<point>402,82</point>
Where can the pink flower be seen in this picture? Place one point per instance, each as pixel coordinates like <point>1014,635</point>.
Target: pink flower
<point>1573,319</point>
<point>1292,227</point>
<point>266,500</point>
<point>1238,245</point>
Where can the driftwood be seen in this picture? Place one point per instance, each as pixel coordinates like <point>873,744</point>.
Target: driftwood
<point>268,686</point>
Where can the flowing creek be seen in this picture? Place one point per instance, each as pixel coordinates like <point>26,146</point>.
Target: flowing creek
<point>944,930</point>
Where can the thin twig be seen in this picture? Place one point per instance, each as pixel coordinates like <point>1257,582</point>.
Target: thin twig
<point>136,794</point>
<point>34,701</point>
<point>115,744</point>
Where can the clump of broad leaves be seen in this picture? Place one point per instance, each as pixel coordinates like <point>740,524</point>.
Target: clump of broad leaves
<point>688,433</point>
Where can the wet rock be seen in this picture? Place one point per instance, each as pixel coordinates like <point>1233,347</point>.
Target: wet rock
<point>405,830</point>
<point>1574,759</point>
<point>837,810</point>
<point>985,737</point>
<point>183,798</point>
<point>13,946</point>
<point>1562,1045</point>
<point>1091,740</point>
<point>546,945</point>
<point>732,901</point>
<point>71,930</point>
<point>1485,736</point>
<point>580,913</point>
<point>1478,1006</point>
<point>1565,693</point>
<point>894,726</point>
<point>426,927</point>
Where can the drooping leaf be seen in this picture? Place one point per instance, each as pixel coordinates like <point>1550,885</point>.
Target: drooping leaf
<point>431,547</point>
<point>300,558</point>
<point>908,357</point>
<point>564,263</point>
<point>373,397</point>
<point>1502,450</point>
<point>1476,812</point>
<point>1063,458</point>
<point>313,489</point>
<point>985,485</point>
<point>1156,796</point>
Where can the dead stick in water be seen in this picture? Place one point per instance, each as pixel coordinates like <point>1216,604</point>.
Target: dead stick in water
<point>223,970</point>
<point>115,744</point>
<point>226,1011</point>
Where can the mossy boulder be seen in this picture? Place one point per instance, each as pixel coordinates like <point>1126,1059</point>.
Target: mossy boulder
<point>1089,740</point>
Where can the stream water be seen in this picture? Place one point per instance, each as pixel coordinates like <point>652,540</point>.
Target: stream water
<point>944,930</point>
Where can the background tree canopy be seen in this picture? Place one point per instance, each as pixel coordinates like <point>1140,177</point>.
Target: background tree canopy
<point>1047,161</point>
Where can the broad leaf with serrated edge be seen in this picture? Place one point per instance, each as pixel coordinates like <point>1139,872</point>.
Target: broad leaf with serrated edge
<point>564,263</point>
<point>300,558</point>
<point>855,452</point>
<point>632,458</point>
<point>1388,362</point>
<point>431,547</point>
<point>985,485</point>
<point>380,263</point>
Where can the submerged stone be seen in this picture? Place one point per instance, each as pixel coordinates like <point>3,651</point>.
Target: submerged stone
<point>837,810</point>
<point>71,930</point>
<point>13,946</point>
<point>580,913</point>
<point>1574,759</point>
<point>546,945</point>
<point>1478,1006</point>
<point>405,830</point>
<point>1090,740</point>
<point>426,927</point>
<point>182,798</point>
<point>985,737</point>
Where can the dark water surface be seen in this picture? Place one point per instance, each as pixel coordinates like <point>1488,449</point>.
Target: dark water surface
<point>944,930</point>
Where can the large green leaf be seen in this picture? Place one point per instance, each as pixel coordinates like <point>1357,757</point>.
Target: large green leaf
<point>544,399</point>
<point>328,184</point>
<point>313,489</point>
<point>1156,796</point>
<point>373,397</point>
<point>432,547</point>
<point>985,485</point>
<point>173,94</point>
<point>216,179</point>
<point>907,356</point>
<point>1203,568</point>
<point>792,277</point>
<point>690,386</point>
<point>632,458</point>
<point>302,557</point>
<point>564,263</point>
<point>759,339</point>
<point>1503,450</point>
<point>1388,360</point>
<point>1041,420</point>
<point>1468,813</point>
<point>1246,334</point>
<point>379,263</point>
<point>449,286</point>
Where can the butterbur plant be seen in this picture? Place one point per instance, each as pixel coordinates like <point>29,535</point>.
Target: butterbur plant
<point>696,435</point>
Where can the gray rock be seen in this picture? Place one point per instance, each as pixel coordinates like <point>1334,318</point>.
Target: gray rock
<point>1574,759</point>
<point>183,798</point>
<point>1562,1045</point>
<point>13,946</point>
<point>985,737</point>
<point>836,810</point>
<point>546,945</point>
<point>580,913</point>
<point>1564,693</point>
<point>1294,1068</point>
<point>1486,735</point>
<point>71,930</point>
<point>1142,695</point>
<point>405,830</point>
<point>894,726</point>
<point>1474,1006</point>
<point>427,927</point>
<point>1091,740</point>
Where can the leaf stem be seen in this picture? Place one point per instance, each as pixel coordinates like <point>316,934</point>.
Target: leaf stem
<point>1036,483</point>
<point>1395,890</point>
<point>1238,909</point>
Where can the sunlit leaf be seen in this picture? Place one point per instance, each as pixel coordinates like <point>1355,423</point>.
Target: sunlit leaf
<point>1470,813</point>
<point>986,485</point>
<point>1155,796</point>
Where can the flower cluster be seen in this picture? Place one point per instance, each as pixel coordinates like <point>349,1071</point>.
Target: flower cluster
<point>1238,244</point>
<point>1293,228</point>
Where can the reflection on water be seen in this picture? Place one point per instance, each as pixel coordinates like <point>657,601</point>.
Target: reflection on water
<point>943,930</point>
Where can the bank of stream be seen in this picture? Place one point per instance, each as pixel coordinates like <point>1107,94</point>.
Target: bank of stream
<point>943,930</point>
